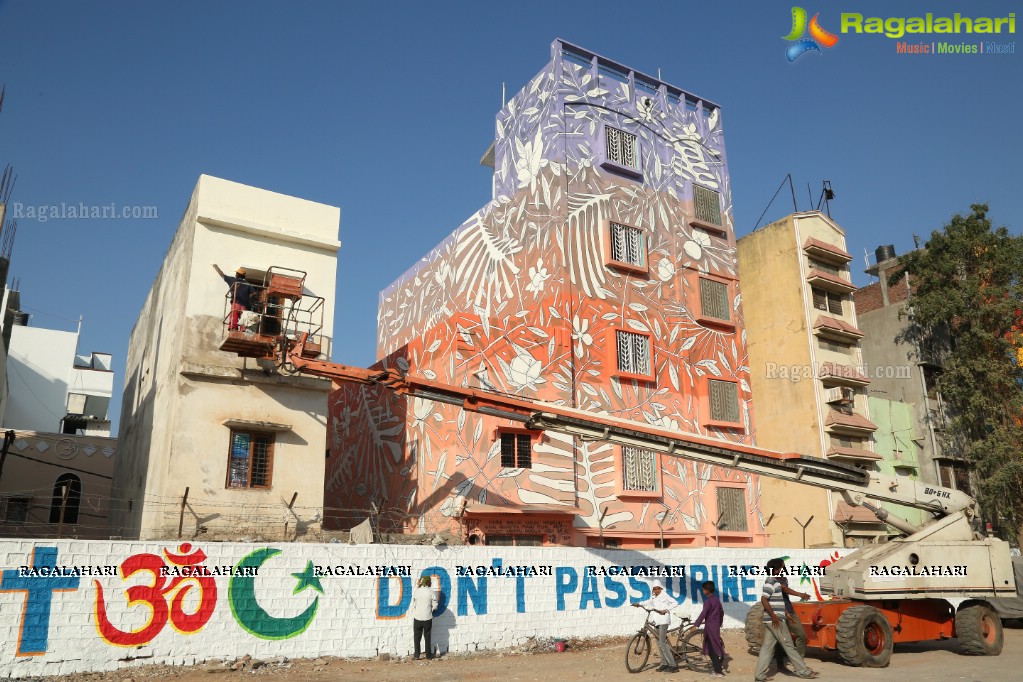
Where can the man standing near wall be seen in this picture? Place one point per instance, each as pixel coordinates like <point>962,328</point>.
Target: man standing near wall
<point>661,604</point>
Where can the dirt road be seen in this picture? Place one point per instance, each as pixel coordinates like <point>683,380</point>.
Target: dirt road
<point>594,661</point>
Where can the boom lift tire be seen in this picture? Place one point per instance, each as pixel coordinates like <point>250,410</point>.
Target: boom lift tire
<point>754,628</point>
<point>864,637</point>
<point>979,630</point>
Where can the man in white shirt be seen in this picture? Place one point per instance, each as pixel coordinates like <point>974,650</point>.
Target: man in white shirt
<point>661,604</point>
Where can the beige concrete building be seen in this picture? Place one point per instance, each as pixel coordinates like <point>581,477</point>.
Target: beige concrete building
<point>221,445</point>
<point>56,485</point>
<point>806,373</point>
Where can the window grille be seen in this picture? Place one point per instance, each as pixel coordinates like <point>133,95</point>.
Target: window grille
<point>250,462</point>
<point>516,450</point>
<point>633,353</point>
<point>708,205</point>
<point>714,299</point>
<point>639,469</point>
<point>627,245</point>
<point>732,509</point>
<point>15,509</point>
<point>848,442</point>
<point>724,401</point>
<point>828,268</point>
<point>826,300</point>
<point>835,346</point>
<point>834,303</point>
<point>621,147</point>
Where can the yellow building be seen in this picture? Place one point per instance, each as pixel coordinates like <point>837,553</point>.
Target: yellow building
<point>807,373</point>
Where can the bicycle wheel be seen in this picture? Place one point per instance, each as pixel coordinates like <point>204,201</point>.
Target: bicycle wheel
<point>637,653</point>
<point>692,653</point>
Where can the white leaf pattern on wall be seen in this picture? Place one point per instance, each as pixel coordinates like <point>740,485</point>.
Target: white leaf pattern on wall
<point>531,263</point>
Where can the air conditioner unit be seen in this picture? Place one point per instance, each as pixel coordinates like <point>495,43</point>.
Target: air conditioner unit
<point>840,394</point>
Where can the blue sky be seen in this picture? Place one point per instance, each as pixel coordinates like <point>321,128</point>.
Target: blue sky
<point>385,109</point>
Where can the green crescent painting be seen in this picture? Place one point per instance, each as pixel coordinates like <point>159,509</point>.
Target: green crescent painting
<point>252,617</point>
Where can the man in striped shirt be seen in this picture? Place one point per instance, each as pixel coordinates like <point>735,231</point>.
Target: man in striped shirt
<point>775,631</point>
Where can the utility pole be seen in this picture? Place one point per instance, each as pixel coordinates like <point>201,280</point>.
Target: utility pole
<point>8,440</point>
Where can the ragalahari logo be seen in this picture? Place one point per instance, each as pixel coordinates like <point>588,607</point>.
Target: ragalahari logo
<point>801,45</point>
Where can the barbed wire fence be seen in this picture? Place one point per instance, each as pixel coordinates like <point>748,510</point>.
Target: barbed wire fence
<point>60,512</point>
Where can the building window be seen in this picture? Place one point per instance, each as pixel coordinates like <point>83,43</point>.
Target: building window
<point>828,268</point>
<point>708,205</point>
<point>250,463</point>
<point>724,401</point>
<point>516,450</point>
<point>639,470</point>
<point>515,540</point>
<point>621,148</point>
<point>15,509</point>
<point>628,245</point>
<point>826,344</point>
<point>67,495</point>
<point>714,299</point>
<point>956,475</point>
<point>732,509</point>
<point>827,301</point>
<point>848,442</point>
<point>931,374</point>
<point>633,352</point>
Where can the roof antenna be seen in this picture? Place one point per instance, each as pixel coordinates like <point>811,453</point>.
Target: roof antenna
<point>502,95</point>
<point>659,74</point>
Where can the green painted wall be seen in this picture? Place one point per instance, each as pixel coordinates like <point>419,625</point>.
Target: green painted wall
<point>893,440</point>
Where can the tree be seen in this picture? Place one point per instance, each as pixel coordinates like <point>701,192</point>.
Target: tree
<point>964,312</point>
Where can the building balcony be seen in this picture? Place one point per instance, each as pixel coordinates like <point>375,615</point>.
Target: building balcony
<point>853,454</point>
<point>829,282</point>
<point>823,251</point>
<point>846,375</point>
<point>855,424</point>
<point>836,330</point>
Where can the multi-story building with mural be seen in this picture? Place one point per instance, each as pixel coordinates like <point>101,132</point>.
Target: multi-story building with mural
<point>601,276</point>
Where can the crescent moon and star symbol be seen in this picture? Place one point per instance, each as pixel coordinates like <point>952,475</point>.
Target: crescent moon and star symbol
<point>252,617</point>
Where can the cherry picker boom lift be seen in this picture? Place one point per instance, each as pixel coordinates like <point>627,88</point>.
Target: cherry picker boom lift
<point>881,595</point>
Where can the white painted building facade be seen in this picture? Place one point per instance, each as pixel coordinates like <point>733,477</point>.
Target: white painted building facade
<point>53,389</point>
<point>194,417</point>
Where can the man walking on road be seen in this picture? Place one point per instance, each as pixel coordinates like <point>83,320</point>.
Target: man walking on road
<point>775,631</point>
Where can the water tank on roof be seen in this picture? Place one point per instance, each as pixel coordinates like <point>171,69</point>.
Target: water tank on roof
<point>883,253</point>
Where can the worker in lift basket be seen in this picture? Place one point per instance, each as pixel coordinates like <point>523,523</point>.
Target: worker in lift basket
<point>775,631</point>
<point>241,295</point>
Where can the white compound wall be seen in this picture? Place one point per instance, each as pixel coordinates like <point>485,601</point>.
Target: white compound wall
<point>64,605</point>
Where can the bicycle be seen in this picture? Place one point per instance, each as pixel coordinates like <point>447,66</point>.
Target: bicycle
<point>685,641</point>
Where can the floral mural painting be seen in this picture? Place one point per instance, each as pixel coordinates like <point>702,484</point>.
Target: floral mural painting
<point>526,298</point>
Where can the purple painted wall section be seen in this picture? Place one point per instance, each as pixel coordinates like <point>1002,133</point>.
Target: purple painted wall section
<point>557,121</point>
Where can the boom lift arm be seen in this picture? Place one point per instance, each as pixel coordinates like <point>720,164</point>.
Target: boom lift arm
<point>853,483</point>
